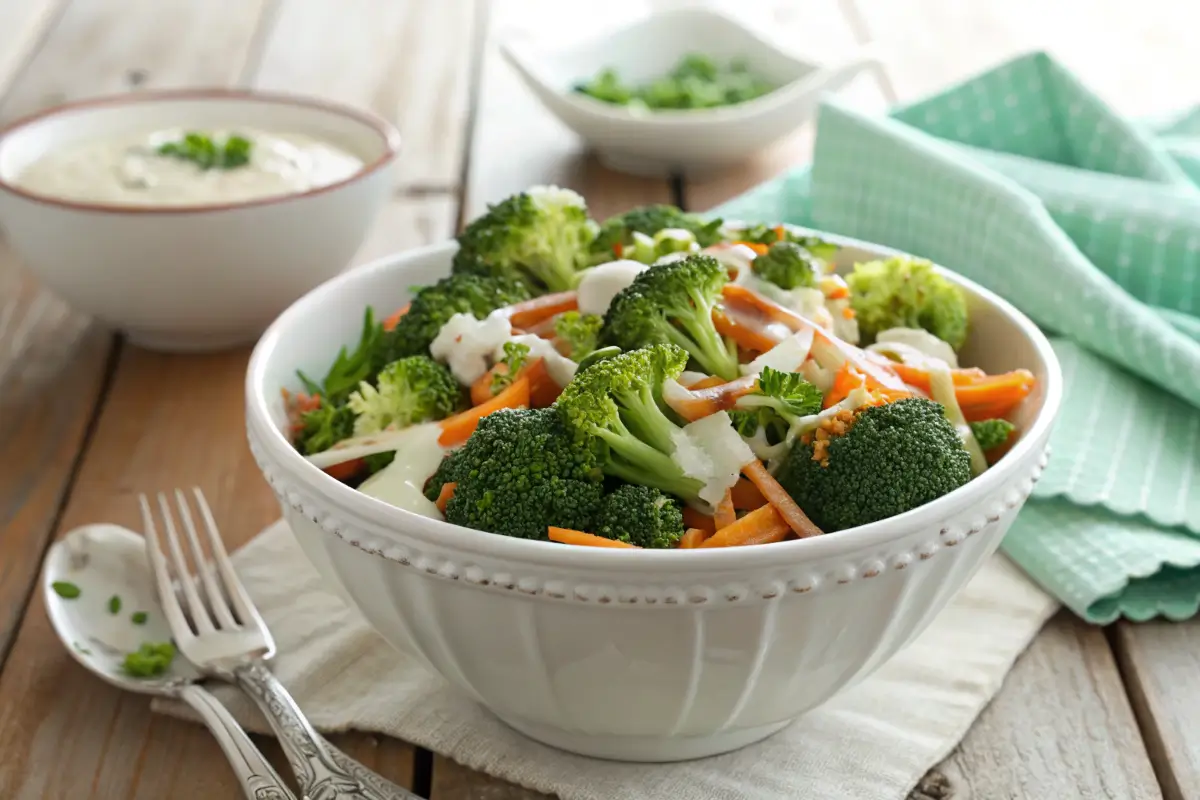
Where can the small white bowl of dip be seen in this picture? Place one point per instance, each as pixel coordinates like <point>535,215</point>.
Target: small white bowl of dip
<point>181,256</point>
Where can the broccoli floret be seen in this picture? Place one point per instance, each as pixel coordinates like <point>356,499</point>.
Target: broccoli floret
<point>640,515</point>
<point>323,427</point>
<point>515,356</point>
<point>649,220</point>
<point>579,332</point>
<point>406,392</point>
<point>673,304</point>
<point>788,266</point>
<point>520,473</point>
<point>616,405</point>
<point>540,237</point>
<point>779,399</point>
<point>991,433</point>
<point>434,305</point>
<point>879,461</point>
<point>907,293</point>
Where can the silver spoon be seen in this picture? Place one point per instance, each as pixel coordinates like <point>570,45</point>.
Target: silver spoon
<point>91,566</point>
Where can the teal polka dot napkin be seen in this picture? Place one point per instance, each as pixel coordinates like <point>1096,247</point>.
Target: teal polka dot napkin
<point>1026,182</point>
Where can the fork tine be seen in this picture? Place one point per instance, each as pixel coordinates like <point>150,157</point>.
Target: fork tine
<point>162,574</point>
<point>217,603</point>
<point>196,609</point>
<point>234,587</point>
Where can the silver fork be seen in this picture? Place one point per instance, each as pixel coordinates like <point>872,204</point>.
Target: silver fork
<point>218,629</point>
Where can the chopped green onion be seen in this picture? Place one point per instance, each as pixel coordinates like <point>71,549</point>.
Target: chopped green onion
<point>65,589</point>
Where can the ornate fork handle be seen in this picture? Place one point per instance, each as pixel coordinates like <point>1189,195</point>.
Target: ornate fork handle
<point>323,771</point>
<point>259,779</point>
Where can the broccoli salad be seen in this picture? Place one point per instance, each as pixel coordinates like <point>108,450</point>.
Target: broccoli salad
<point>658,380</point>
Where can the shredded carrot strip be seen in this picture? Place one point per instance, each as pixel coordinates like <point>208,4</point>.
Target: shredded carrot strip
<point>758,249</point>
<point>528,313</point>
<point>702,402</point>
<point>792,514</point>
<point>444,495</point>
<point>694,519</point>
<point>915,376</point>
<point>394,319</point>
<point>458,428</point>
<point>693,538</point>
<point>746,495</point>
<point>725,515</point>
<point>481,389</point>
<point>346,470</point>
<point>743,334</point>
<point>996,389</point>
<point>569,536</point>
<point>543,390</point>
<point>737,294</point>
<point>761,525</point>
<point>845,381</point>
<point>780,233</point>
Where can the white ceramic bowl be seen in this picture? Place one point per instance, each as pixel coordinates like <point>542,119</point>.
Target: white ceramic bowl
<point>193,277</point>
<point>637,655</point>
<point>678,140</point>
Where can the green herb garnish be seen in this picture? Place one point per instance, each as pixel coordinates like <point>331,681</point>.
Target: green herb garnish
<point>149,660</point>
<point>139,618</point>
<point>65,589</point>
<point>206,153</point>
<point>515,356</point>
<point>114,605</point>
<point>697,81</point>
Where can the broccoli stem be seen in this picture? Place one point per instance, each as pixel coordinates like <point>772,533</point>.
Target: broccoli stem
<point>641,413</point>
<point>634,461</point>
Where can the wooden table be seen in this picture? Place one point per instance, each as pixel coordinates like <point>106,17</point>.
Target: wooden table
<point>86,420</point>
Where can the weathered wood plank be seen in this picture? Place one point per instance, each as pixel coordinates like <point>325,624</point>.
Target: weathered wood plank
<point>452,781</point>
<point>1161,664</point>
<point>1061,727</point>
<point>97,44</point>
<point>52,365</point>
<point>408,62</point>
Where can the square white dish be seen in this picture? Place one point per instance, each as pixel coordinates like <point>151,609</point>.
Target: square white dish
<point>678,141</point>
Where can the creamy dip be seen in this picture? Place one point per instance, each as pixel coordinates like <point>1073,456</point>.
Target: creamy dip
<point>129,170</point>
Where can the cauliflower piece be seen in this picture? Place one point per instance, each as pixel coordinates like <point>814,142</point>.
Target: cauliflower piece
<point>710,450</point>
<point>465,344</point>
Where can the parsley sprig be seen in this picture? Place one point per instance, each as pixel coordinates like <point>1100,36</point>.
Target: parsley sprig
<point>207,153</point>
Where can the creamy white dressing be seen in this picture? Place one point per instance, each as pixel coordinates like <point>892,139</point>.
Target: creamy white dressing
<point>128,170</point>
<point>560,368</point>
<point>913,343</point>
<point>400,483</point>
<point>466,344</point>
<point>600,284</point>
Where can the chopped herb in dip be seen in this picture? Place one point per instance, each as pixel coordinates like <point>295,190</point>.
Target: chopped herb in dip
<point>114,604</point>
<point>138,618</point>
<point>149,660</point>
<point>206,153</point>
<point>65,589</point>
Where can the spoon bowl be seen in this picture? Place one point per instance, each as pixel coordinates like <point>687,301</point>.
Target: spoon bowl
<point>104,562</point>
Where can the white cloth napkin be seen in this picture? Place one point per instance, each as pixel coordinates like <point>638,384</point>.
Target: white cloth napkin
<point>874,742</point>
